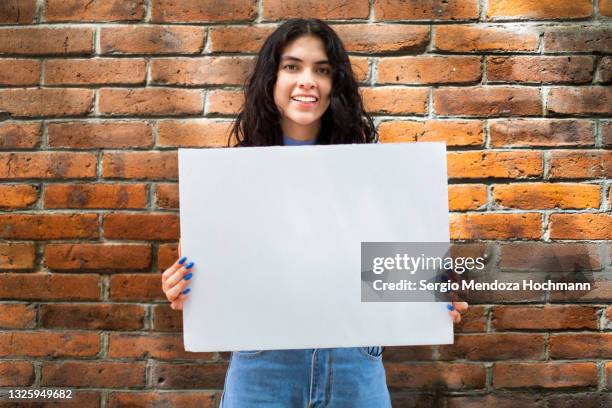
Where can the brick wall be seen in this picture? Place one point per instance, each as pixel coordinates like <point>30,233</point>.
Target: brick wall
<point>95,98</point>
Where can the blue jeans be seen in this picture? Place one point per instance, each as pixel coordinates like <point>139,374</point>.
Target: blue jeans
<point>313,378</point>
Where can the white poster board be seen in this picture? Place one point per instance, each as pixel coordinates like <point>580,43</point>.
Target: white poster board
<point>275,234</point>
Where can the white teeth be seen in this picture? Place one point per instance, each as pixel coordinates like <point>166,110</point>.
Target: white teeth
<point>304,98</point>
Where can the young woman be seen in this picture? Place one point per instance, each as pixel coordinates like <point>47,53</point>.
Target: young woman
<point>302,92</point>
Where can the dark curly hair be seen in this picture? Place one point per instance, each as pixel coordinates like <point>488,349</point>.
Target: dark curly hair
<point>345,120</point>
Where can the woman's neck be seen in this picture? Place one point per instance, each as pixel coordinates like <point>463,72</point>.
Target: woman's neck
<point>300,132</point>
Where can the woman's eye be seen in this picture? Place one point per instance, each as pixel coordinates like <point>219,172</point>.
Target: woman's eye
<point>325,71</point>
<point>290,67</point>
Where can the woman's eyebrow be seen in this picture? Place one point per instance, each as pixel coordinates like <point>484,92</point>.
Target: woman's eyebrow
<point>291,58</point>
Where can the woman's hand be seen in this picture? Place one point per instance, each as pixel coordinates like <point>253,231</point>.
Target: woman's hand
<point>175,280</point>
<point>456,308</point>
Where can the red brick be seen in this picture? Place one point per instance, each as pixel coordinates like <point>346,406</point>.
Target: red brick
<point>428,10</point>
<point>581,226</point>
<point>580,345</point>
<point>329,10</point>
<point>43,165</point>
<point>95,196</point>
<point>98,374</point>
<point>49,344</point>
<point>577,38</point>
<point>496,226</point>
<point>494,346</point>
<point>46,102</point>
<point>14,196</point>
<point>606,133</point>
<point>428,70</point>
<point>201,71</point>
<point>188,376</point>
<point>136,287</point>
<point>537,10</point>
<point>198,11</point>
<point>166,319</point>
<point>167,196</point>
<point>107,134</point>
<point>575,69</point>
<point>150,101</point>
<point>604,72</point>
<point>97,256</point>
<point>437,375</point>
<point>494,164</point>
<point>154,39</point>
<point>238,38</point>
<point>410,399</point>
<point>580,164</point>
<point>224,102</point>
<point>162,346</point>
<point>395,101</point>
<point>453,133</point>
<point>605,9</point>
<point>474,38</point>
<point>508,400</point>
<point>92,316</point>
<point>167,254</point>
<point>183,399</point>
<point>19,72</point>
<point>17,316</point>
<point>140,165</point>
<point>601,287</point>
<point>16,373</point>
<point>487,101</point>
<point>549,317</point>
<point>19,135</point>
<point>541,132</point>
<point>474,320</point>
<point>580,101</point>
<point>17,256</point>
<point>45,286</point>
<point>547,257</point>
<point>544,375</point>
<point>193,133</point>
<point>360,67</point>
<point>49,226</point>
<point>141,226</point>
<point>463,197</point>
<point>408,353</point>
<point>46,41</point>
<point>96,10</point>
<point>96,71</point>
<point>547,196</point>
<point>379,38</point>
<point>17,11</point>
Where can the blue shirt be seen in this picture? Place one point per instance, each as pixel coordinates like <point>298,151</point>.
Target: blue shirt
<point>287,141</point>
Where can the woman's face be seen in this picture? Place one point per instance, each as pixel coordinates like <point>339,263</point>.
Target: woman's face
<point>303,87</point>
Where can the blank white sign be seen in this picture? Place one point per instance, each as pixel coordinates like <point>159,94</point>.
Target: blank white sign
<point>276,232</point>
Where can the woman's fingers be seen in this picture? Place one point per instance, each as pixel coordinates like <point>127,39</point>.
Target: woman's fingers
<point>455,310</point>
<point>462,307</point>
<point>456,316</point>
<point>172,269</point>
<point>182,273</point>
<point>174,292</point>
<point>178,303</point>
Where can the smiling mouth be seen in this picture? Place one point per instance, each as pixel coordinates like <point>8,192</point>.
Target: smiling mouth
<point>304,99</point>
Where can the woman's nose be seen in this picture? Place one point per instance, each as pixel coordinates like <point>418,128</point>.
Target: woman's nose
<point>306,80</point>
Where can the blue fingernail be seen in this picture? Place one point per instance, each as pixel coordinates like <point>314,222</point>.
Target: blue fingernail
<point>186,291</point>
<point>188,276</point>
<point>189,265</point>
<point>450,307</point>
<point>182,260</point>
